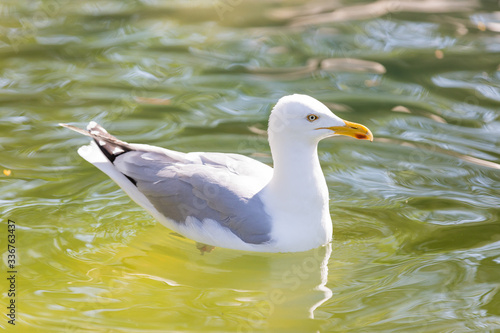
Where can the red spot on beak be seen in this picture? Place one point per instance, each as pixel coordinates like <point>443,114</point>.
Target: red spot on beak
<point>360,136</point>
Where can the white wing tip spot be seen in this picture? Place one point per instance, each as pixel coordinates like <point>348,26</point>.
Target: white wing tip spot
<point>91,125</point>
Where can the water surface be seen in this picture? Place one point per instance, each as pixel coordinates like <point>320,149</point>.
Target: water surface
<point>416,213</point>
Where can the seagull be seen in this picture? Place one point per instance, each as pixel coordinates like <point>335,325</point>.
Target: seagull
<point>231,200</point>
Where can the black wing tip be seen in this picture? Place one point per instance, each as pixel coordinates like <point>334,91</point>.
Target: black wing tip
<point>132,180</point>
<point>91,126</point>
<point>76,129</point>
<point>110,146</point>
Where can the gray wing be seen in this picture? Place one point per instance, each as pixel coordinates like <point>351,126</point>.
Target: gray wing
<point>221,187</point>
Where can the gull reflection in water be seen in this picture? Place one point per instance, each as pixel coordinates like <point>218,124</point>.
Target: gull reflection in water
<point>255,290</point>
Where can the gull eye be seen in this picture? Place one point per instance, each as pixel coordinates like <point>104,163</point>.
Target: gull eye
<point>312,117</point>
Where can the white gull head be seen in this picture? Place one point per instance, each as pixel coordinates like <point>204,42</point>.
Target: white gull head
<point>297,195</point>
<point>304,118</point>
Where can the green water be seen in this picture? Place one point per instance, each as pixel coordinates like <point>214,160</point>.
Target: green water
<point>416,213</point>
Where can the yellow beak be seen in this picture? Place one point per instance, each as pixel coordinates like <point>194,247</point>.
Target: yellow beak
<point>357,131</point>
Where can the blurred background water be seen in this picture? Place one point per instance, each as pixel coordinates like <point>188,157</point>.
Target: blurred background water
<point>416,213</point>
